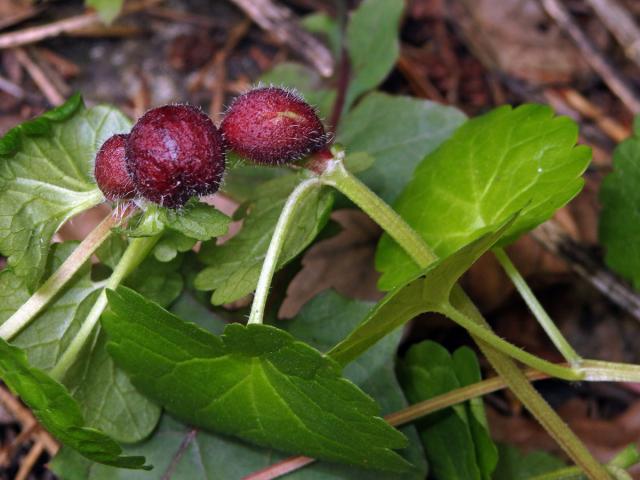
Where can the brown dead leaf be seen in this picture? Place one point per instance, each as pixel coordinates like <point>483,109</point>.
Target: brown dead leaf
<point>344,262</point>
<point>516,37</point>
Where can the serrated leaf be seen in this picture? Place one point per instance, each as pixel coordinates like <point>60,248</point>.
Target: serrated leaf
<point>455,441</point>
<point>107,9</point>
<point>429,291</point>
<point>105,396</point>
<point>57,411</point>
<point>234,267</point>
<point>46,178</point>
<point>509,160</point>
<point>373,44</point>
<point>397,132</point>
<point>322,322</point>
<point>269,388</point>
<point>619,228</point>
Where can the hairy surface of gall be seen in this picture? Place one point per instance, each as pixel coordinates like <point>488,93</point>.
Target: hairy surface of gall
<point>174,153</point>
<point>272,126</point>
<point>110,170</point>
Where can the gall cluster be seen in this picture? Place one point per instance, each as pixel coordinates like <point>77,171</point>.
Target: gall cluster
<point>175,152</point>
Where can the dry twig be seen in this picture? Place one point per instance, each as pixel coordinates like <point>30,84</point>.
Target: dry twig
<point>42,80</point>
<point>29,461</point>
<point>621,25</point>
<point>71,24</point>
<point>592,55</point>
<point>555,239</point>
<point>280,21</point>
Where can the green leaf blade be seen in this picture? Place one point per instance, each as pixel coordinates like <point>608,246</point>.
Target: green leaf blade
<point>234,267</point>
<point>428,291</point>
<point>58,412</point>
<point>619,228</point>
<point>47,179</point>
<point>268,389</point>
<point>397,132</point>
<point>509,160</point>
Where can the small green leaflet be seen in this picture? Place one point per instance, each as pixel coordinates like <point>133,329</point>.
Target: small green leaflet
<point>255,382</point>
<point>106,398</point>
<point>57,411</point>
<point>195,220</point>
<point>397,132</point>
<point>107,9</point>
<point>509,160</point>
<point>46,178</point>
<point>234,267</point>
<point>619,228</point>
<point>429,291</point>
<point>373,45</point>
<point>456,439</point>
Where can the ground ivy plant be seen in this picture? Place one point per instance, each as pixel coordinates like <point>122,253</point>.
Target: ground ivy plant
<point>124,348</point>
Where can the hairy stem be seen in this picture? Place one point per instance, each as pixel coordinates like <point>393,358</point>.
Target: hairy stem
<point>487,336</point>
<point>336,175</point>
<point>56,282</point>
<point>561,343</point>
<point>275,247</point>
<point>135,253</point>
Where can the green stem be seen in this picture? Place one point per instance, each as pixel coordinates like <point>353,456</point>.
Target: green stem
<point>337,176</point>
<point>275,247</point>
<point>561,343</point>
<point>485,334</point>
<point>56,282</point>
<point>135,253</point>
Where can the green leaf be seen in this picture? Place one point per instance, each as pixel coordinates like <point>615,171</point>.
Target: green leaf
<point>265,380</point>
<point>172,243</point>
<point>449,436</point>
<point>321,23</point>
<point>619,228</point>
<point>429,291</point>
<point>160,282</point>
<point>373,45</point>
<point>46,178</point>
<point>234,267</point>
<point>105,396</point>
<point>107,9</point>
<point>322,322</point>
<point>397,132</point>
<point>197,220</point>
<point>206,457</point>
<point>514,465</point>
<point>467,370</point>
<point>57,411</point>
<point>509,160</point>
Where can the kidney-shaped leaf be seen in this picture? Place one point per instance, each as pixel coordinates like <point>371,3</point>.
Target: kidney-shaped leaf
<point>255,382</point>
<point>509,160</point>
<point>57,411</point>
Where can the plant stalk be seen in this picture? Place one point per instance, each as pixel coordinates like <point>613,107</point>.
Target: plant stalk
<point>337,176</point>
<point>561,343</point>
<point>135,253</point>
<point>56,282</point>
<point>275,247</point>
